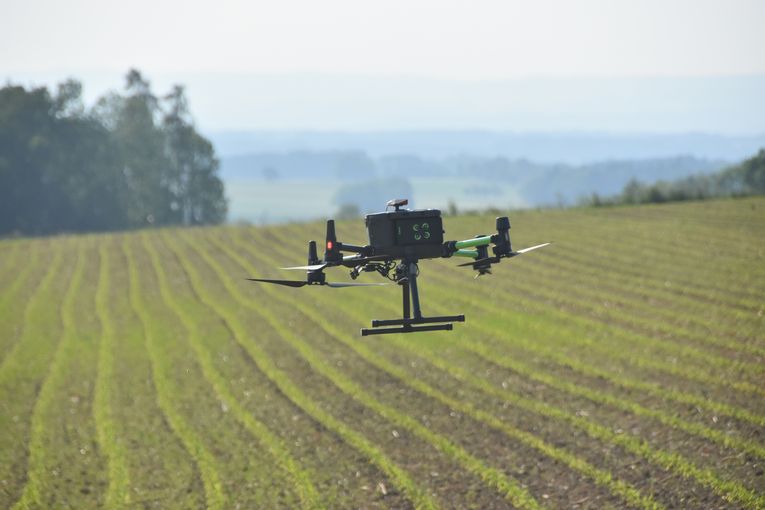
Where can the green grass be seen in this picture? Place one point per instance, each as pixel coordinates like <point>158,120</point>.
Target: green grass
<point>292,391</point>
<point>515,494</point>
<point>166,388</point>
<point>308,494</point>
<point>41,416</point>
<point>630,494</point>
<point>107,427</point>
<point>623,366</point>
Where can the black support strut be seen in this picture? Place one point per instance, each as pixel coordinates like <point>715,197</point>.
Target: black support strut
<point>412,269</point>
<point>411,299</point>
<point>405,292</point>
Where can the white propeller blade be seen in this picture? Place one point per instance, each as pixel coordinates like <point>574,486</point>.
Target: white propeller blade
<point>315,267</point>
<point>532,248</point>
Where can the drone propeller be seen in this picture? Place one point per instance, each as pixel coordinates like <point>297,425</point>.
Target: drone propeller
<point>314,267</point>
<point>301,283</point>
<point>288,283</point>
<point>487,260</point>
<point>495,260</point>
<point>526,250</point>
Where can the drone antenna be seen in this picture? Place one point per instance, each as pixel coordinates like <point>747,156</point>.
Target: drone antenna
<point>397,203</point>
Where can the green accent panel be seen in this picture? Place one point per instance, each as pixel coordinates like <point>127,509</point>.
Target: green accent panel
<point>469,243</point>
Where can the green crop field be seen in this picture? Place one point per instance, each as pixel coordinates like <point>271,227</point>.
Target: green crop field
<point>624,366</point>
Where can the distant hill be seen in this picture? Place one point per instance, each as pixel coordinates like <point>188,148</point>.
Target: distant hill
<point>563,147</point>
<point>274,176</point>
<point>477,176</point>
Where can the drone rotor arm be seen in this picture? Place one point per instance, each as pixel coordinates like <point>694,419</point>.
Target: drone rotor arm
<point>356,261</point>
<point>339,285</point>
<point>301,283</point>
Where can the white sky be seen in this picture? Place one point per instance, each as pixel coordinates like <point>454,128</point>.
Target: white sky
<point>470,40</point>
<point>612,65</point>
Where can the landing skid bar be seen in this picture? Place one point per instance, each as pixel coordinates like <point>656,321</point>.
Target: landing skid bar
<point>421,320</point>
<point>411,324</point>
<point>406,329</point>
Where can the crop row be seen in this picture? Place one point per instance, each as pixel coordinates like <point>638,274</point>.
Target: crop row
<point>24,366</point>
<point>574,378</point>
<point>602,344</point>
<point>620,488</point>
<point>296,395</point>
<point>166,388</point>
<point>273,445</point>
<point>107,428</point>
<point>648,353</point>
<point>46,409</point>
<point>683,466</point>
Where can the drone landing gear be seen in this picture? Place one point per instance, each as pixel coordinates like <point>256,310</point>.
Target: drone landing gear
<point>410,324</point>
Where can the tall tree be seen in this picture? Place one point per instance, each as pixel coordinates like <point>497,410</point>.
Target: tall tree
<point>26,136</point>
<point>141,146</point>
<point>85,167</point>
<point>195,185</point>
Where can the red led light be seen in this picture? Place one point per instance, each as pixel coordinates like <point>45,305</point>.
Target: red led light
<point>329,245</point>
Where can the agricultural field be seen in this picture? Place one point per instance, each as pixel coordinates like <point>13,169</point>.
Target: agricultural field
<point>624,366</point>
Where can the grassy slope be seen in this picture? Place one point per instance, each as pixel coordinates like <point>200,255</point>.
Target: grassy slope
<point>622,366</point>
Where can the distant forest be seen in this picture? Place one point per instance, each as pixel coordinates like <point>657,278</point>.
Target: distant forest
<point>540,184</point>
<point>132,160</point>
<point>746,178</point>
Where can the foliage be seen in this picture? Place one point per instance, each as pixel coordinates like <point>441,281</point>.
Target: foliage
<point>744,179</point>
<point>131,160</point>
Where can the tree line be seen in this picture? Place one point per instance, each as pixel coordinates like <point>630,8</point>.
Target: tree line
<point>132,160</point>
<point>745,179</point>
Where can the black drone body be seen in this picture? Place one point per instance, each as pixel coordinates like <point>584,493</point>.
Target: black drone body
<point>398,240</point>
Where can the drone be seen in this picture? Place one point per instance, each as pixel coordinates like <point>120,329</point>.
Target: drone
<point>398,240</point>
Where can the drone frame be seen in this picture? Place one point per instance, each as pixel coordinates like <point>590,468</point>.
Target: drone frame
<point>382,258</point>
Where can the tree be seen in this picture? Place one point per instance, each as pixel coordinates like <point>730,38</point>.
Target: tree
<point>125,163</point>
<point>193,182</point>
<point>752,173</point>
<point>84,168</point>
<point>26,136</point>
<point>141,147</point>
<point>746,178</point>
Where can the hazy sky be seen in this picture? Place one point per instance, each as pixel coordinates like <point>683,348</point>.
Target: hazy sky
<point>45,40</point>
<point>466,40</point>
